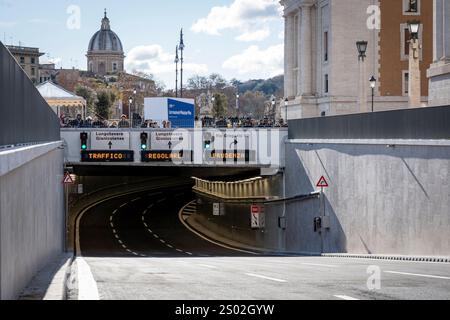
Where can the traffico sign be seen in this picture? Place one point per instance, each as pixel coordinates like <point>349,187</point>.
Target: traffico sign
<point>107,156</point>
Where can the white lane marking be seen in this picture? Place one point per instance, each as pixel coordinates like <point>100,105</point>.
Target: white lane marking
<point>123,205</point>
<point>150,206</point>
<point>162,241</point>
<point>189,253</point>
<point>208,266</point>
<point>117,237</point>
<point>179,250</point>
<point>114,231</point>
<point>156,236</point>
<point>344,297</point>
<point>111,218</point>
<point>145,212</point>
<point>115,211</point>
<point>170,246</point>
<point>264,277</point>
<point>87,286</point>
<point>418,275</point>
<point>319,265</point>
<point>145,224</point>
<point>150,230</point>
<point>112,225</point>
<point>137,199</point>
<point>143,218</point>
<point>121,242</point>
<point>161,200</point>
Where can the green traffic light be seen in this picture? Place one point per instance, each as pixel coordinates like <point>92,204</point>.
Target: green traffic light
<point>83,147</point>
<point>144,147</point>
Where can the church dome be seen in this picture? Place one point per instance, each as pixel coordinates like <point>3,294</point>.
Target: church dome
<point>105,39</point>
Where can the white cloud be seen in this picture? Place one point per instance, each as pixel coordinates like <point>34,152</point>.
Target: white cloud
<point>257,35</point>
<point>153,59</point>
<point>257,62</point>
<point>245,16</point>
<point>7,24</point>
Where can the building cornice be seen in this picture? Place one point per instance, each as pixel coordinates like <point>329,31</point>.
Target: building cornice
<point>293,6</point>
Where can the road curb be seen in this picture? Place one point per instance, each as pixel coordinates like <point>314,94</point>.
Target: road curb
<point>388,257</point>
<point>50,283</point>
<point>234,244</point>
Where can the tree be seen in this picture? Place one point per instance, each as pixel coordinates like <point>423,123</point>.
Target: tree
<point>106,99</point>
<point>220,106</point>
<point>89,95</point>
<point>217,81</point>
<point>198,83</point>
<point>252,104</point>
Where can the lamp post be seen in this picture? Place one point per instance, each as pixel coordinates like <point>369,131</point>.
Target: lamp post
<point>362,48</point>
<point>237,103</point>
<point>177,59</point>
<point>414,90</point>
<point>373,84</point>
<point>130,100</point>
<point>286,101</point>
<point>181,47</point>
<point>272,111</point>
<point>362,99</point>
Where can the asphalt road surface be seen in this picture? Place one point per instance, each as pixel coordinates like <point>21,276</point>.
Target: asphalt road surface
<point>135,247</point>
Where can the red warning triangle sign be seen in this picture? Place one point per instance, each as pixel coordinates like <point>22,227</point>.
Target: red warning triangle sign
<point>322,183</point>
<point>68,179</point>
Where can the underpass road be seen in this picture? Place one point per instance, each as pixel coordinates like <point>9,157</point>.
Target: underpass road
<point>137,248</point>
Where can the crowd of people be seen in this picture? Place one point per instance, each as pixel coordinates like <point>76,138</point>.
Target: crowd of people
<point>138,122</point>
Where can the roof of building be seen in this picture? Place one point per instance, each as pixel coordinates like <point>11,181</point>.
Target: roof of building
<point>105,39</point>
<point>57,96</point>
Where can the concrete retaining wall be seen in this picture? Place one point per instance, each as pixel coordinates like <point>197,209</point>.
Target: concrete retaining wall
<point>385,197</point>
<point>31,213</point>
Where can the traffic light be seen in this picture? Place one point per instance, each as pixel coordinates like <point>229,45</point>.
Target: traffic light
<point>207,144</point>
<point>84,139</point>
<point>144,140</point>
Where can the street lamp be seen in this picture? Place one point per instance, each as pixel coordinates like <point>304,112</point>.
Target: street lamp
<point>414,27</point>
<point>362,48</point>
<point>129,108</point>
<point>272,111</point>
<point>286,101</point>
<point>373,83</point>
<point>181,47</point>
<point>177,59</point>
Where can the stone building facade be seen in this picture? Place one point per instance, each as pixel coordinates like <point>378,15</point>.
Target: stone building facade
<point>323,73</point>
<point>28,58</point>
<point>105,53</point>
<point>439,72</point>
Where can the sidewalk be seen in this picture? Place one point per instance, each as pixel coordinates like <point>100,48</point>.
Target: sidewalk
<point>50,282</point>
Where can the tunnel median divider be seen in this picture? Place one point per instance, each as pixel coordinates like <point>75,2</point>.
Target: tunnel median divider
<point>206,234</point>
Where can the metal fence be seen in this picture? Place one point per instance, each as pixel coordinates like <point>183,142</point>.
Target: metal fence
<point>25,116</point>
<point>421,123</point>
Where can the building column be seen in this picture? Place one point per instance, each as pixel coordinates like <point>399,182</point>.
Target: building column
<point>439,71</point>
<point>289,52</point>
<point>305,56</point>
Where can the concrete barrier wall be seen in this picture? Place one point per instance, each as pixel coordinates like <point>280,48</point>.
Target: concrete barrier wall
<point>31,213</point>
<point>385,197</point>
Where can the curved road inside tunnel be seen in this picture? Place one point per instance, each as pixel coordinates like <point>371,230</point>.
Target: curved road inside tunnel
<point>144,224</point>
<point>135,247</point>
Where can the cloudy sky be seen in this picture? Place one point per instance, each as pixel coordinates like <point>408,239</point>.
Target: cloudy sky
<point>237,38</point>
